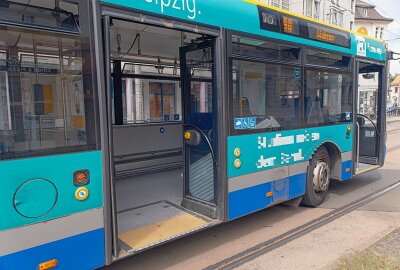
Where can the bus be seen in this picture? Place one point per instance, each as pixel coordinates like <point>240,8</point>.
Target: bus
<point>128,124</point>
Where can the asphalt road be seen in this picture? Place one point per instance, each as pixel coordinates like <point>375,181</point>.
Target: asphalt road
<point>213,245</point>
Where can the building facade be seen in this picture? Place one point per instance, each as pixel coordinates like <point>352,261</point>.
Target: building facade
<point>283,4</point>
<point>369,22</point>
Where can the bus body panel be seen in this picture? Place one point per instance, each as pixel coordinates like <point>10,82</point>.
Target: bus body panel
<point>75,241</point>
<point>57,170</point>
<point>80,252</point>
<point>272,167</point>
<point>71,231</point>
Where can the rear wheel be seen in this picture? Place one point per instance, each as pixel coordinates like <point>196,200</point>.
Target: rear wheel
<point>318,178</point>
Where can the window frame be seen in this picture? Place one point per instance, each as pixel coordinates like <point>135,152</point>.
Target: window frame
<point>229,64</point>
<point>302,63</point>
<point>154,79</point>
<point>41,26</point>
<point>307,66</point>
<point>329,70</point>
<point>86,32</point>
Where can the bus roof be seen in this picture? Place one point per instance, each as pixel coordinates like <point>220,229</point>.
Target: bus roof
<point>252,17</point>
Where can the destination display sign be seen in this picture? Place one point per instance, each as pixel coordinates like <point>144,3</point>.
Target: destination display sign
<point>328,35</point>
<point>290,25</point>
<point>275,21</point>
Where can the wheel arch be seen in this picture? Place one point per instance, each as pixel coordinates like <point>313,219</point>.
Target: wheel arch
<point>335,156</point>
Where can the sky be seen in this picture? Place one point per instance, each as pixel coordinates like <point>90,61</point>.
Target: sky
<point>391,8</point>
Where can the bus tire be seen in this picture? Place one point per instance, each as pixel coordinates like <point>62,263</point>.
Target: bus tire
<point>318,178</point>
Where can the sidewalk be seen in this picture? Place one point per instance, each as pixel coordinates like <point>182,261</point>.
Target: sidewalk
<point>391,119</point>
<point>325,247</point>
<point>370,228</point>
<point>385,254</point>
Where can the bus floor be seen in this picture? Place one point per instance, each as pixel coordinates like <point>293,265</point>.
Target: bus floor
<point>149,210</point>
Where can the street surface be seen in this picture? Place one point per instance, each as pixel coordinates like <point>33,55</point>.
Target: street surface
<point>319,249</point>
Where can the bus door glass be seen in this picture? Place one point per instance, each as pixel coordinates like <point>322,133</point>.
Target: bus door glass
<point>370,113</point>
<point>198,88</point>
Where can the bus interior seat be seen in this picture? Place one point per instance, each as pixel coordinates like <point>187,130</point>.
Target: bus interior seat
<point>244,107</point>
<point>202,120</point>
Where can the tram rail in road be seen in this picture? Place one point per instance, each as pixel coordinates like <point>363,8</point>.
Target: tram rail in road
<point>276,242</point>
<point>280,240</point>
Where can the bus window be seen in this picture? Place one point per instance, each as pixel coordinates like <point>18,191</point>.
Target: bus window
<point>328,59</point>
<point>368,85</point>
<point>150,93</point>
<point>46,94</point>
<point>264,49</point>
<point>269,93</point>
<point>328,98</point>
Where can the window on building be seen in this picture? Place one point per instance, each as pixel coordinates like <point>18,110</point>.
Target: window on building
<point>396,90</point>
<point>381,34</point>
<point>286,4</point>
<point>328,98</point>
<point>334,17</point>
<point>317,9</point>
<point>340,19</point>
<point>351,25</point>
<point>269,93</point>
<point>377,32</point>
<point>275,3</point>
<point>309,8</point>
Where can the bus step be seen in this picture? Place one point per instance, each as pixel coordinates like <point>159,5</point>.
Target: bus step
<point>151,225</point>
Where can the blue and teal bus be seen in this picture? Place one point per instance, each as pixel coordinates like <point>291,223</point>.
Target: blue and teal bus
<point>128,124</point>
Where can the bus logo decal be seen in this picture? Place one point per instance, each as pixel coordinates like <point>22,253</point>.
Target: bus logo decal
<point>188,6</point>
<point>361,46</point>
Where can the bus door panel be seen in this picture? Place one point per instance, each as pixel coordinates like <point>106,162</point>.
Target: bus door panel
<point>370,117</point>
<point>199,102</point>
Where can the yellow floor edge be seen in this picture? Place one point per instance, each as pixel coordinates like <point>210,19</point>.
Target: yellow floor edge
<point>368,169</point>
<point>164,230</point>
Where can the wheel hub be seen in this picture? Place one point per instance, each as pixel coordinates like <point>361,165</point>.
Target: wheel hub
<point>322,177</point>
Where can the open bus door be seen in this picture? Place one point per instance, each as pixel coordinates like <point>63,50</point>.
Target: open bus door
<point>200,127</point>
<point>370,117</point>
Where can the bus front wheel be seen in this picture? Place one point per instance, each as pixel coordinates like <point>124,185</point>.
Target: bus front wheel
<point>318,178</point>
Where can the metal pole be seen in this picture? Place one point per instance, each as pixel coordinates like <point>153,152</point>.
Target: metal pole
<point>110,135</point>
<point>63,79</point>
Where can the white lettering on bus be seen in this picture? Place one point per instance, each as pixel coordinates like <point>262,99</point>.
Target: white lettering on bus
<point>182,5</point>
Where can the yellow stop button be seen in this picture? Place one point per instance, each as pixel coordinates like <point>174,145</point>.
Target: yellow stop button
<point>81,194</point>
<point>237,163</point>
<point>237,152</point>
